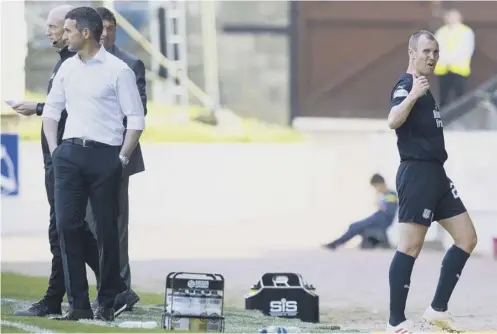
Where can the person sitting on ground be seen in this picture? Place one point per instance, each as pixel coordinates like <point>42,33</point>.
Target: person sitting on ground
<point>373,228</point>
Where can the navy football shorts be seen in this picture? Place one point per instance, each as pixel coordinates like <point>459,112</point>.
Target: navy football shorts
<point>426,193</point>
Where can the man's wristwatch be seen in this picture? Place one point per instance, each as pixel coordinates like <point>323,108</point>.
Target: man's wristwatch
<point>39,109</point>
<point>124,160</point>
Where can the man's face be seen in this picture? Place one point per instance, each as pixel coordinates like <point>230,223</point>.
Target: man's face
<point>75,38</point>
<point>108,37</point>
<point>425,56</point>
<point>55,31</point>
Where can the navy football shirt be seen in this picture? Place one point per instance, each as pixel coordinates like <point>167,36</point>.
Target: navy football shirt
<point>421,136</point>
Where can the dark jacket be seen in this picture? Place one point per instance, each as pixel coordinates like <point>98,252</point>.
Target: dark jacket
<point>64,54</point>
<point>136,164</point>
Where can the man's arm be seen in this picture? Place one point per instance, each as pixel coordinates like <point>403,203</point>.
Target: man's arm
<point>139,70</point>
<point>132,107</point>
<point>56,103</point>
<point>28,108</point>
<point>403,99</point>
<point>399,113</point>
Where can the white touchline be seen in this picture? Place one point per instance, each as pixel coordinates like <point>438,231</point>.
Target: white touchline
<point>25,327</point>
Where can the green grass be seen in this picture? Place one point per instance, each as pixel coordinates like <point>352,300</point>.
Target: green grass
<point>29,289</point>
<point>171,124</point>
<point>19,291</point>
<point>32,288</point>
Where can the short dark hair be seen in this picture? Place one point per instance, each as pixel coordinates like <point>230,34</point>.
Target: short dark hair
<point>87,18</point>
<point>377,179</point>
<point>413,40</point>
<point>106,14</point>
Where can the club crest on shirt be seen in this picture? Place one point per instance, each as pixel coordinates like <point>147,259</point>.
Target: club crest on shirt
<point>400,92</point>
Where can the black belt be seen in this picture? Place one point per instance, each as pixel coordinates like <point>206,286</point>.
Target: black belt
<point>87,143</point>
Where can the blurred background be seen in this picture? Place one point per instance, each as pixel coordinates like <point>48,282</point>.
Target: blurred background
<point>295,96</point>
<point>273,60</point>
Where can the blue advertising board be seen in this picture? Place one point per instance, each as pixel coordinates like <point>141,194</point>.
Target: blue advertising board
<point>10,164</point>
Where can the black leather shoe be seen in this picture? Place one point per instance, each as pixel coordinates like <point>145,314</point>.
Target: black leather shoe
<point>104,313</point>
<point>126,299</point>
<point>39,309</point>
<point>131,299</point>
<point>75,315</point>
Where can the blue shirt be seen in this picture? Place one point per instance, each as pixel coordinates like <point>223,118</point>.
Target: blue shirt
<point>388,204</point>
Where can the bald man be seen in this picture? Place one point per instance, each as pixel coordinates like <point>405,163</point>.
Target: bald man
<point>51,302</point>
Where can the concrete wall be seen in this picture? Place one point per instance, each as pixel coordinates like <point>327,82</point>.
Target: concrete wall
<point>253,69</point>
<point>239,199</point>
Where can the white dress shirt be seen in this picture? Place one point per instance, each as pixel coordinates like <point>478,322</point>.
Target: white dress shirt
<point>97,95</point>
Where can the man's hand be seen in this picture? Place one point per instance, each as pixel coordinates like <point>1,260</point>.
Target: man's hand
<point>26,108</point>
<point>124,160</point>
<point>420,86</point>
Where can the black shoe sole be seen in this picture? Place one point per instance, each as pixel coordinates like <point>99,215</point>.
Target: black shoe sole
<point>120,310</point>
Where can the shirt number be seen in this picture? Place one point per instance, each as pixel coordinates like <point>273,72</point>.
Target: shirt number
<point>454,190</point>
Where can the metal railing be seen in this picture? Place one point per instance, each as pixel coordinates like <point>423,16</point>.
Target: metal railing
<point>477,110</point>
<point>195,90</point>
<point>205,99</point>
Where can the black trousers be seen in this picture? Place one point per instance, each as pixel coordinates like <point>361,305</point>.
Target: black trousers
<point>449,83</point>
<point>56,286</point>
<point>83,173</point>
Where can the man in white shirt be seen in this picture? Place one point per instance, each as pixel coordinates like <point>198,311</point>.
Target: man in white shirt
<point>98,90</point>
<point>51,302</point>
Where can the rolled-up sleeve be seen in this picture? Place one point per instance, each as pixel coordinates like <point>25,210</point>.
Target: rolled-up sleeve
<point>56,99</point>
<point>130,100</point>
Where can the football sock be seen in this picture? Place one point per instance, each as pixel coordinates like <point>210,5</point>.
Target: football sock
<point>452,266</point>
<point>400,279</point>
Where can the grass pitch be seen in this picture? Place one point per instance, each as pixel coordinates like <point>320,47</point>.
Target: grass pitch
<point>19,291</point>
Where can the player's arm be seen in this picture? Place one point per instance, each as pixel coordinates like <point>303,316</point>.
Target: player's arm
<point>399,113</point>
<point>403,100</point>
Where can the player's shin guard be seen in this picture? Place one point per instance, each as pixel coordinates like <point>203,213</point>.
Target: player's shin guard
<point>400,279</point>
<point>452,266</point>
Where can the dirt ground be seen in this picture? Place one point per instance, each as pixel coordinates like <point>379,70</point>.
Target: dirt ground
<point>352,285</point>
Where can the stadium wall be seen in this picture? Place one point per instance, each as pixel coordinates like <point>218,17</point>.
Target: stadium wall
<point>251,199</point>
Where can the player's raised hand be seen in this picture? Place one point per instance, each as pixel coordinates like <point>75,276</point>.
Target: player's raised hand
<point>420,86</point>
